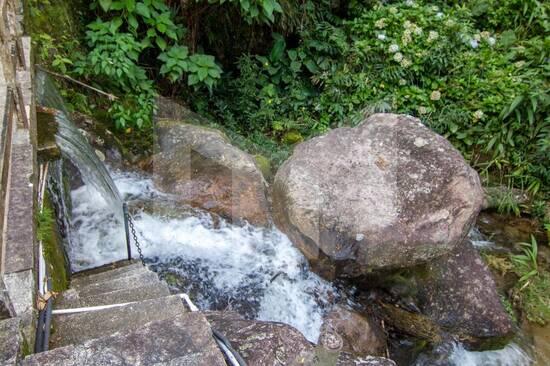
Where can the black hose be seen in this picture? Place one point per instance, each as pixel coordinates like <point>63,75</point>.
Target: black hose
<point>221,338</point>
<point>39,341</point>
<point>48,321</point>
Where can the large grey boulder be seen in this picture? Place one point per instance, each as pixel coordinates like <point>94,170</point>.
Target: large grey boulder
<point>203,169</point>
<point>387,194</point>
<point>458,292</point>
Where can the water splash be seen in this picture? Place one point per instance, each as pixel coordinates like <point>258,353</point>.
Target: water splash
<point>479,240</point>
<point>511,355</point>
<point>255,271</point>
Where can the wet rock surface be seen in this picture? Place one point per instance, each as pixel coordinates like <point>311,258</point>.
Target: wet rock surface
<point>389,193</point>
<point>458,293</point>
<point>268,343</point>
<point>347,359</point>
<point>347,330</point>
<point>263,343</point>
<point>507,231</point>
<point>201,168</point>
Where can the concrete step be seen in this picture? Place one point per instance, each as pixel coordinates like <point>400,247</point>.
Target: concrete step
<point>183,339</point>
<point>72,299</point>
<point>10,341</point>
<point>141,279</point>
<point>80,327</point>
<point>82,279</point>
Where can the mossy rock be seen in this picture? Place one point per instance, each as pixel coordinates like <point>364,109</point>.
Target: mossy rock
<point>292,137</point>
<point>265,166</point>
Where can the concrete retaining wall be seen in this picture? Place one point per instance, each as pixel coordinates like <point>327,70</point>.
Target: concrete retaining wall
<point>18,170</point>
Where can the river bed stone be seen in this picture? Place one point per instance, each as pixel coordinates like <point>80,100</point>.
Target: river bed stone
<point>389,193</point>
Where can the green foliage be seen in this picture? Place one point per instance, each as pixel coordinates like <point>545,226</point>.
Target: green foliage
<point>526,263</point>
<point>199,68</point>
<point>481,82</point>
<point>474,71</point>
<point>118,45</point>
<point>255,10</point>
<point>126,48</point>
<point>532,292</point>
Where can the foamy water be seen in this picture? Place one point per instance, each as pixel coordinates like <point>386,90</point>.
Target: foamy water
<point>480,241</point>
<point>255,271</point>
<point>511,355</point>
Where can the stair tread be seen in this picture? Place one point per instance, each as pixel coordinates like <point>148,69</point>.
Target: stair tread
<point>10,341</point>
<point>81,280</point>
<point>72,299</point>
<point>140,279</point>
<point>183,339</point>
<point>80,327</point>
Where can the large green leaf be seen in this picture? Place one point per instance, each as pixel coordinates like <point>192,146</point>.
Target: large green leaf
<point>143,10</point>
<point>105,4</point>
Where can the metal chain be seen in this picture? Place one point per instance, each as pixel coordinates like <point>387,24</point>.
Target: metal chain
<point>136,242</point>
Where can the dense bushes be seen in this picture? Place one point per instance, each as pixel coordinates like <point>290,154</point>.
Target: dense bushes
<point>480,82</point>
<point>476,72</point>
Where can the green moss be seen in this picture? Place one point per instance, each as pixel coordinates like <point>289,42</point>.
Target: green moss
<point>265,165</point>
<point>292,137</point>
<point>25,347</point>
<point>52,248</point>
<point>507,304</point>
<point>67,13</point>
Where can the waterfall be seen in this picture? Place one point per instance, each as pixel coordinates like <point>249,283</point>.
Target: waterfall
<point>75,147</point>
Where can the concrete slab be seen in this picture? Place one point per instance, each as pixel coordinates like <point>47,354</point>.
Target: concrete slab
<point>10,341</point>
<point>140,279</point>
<point>80,327</point>
<point>20,287</point>
<point>81,280</point>
<point>71,299</point>
<point>185,339</point>
<point>19,245</point>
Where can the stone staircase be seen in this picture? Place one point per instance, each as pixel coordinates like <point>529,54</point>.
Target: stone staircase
<point>152,328</point>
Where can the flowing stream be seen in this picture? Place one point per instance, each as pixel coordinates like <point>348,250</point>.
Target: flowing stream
<point>255,271</point>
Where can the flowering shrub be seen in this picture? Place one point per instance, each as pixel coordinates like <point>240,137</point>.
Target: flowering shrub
<point>482,86</point>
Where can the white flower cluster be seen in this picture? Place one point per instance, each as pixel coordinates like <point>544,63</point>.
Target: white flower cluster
<point>381,36</point>
<point>432,36</point>
<point>436,95</point>
<point>478,115</point>
<point>393,48</point>
<point>380,23</point>
<point>406,37</point>
<point>406,62</point>
<point>410,29</point>
<point>483,36</point>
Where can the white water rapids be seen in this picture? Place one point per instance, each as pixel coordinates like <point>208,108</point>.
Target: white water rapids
<point>256,271</point>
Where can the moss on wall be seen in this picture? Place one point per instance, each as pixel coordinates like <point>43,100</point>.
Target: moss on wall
<point>52,246</point>
<point>58,18</point>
